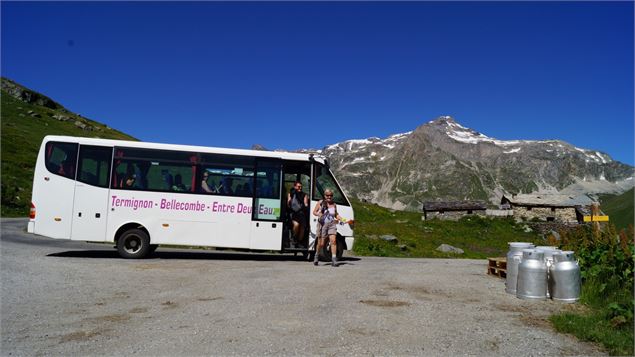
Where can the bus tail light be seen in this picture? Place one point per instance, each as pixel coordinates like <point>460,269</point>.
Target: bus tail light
<point>32,212</point>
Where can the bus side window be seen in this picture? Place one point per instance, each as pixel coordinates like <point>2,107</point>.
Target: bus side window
<point>61,158</point>
<point>94,165</point>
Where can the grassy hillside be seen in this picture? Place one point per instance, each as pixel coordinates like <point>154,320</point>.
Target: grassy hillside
<point>24,125</point>
<point>619,208</point>
<point>478,237</point>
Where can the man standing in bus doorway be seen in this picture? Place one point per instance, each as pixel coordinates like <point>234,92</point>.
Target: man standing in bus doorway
<point>298,202</point>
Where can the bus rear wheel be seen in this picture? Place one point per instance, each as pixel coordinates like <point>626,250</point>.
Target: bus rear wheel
<point>133,244</point>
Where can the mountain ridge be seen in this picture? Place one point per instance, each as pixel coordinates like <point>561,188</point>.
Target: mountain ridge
<point>443,160</point>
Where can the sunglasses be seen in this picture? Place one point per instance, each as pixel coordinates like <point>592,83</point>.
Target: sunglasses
<point>328,196</point>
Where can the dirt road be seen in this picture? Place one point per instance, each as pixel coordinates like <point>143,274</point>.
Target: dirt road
<point>71,298</point>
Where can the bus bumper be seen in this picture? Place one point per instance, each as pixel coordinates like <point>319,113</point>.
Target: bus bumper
<point>31,226</point>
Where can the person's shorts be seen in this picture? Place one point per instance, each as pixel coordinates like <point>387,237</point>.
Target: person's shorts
<point>298,217</point>
<point>327,229</point>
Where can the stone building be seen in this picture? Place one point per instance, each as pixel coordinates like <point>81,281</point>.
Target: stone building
<point>453,210</point>
<point>548,207</point>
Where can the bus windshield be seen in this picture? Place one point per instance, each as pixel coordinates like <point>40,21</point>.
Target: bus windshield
<point>323,180</point>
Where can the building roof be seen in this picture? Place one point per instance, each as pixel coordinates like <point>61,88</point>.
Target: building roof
<point>454,206</point>
<point>548,200</point>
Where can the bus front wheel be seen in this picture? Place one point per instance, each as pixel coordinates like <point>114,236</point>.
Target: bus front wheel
<point>133,244</point>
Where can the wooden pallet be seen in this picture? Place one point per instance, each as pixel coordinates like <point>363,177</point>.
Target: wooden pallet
<point>497,267</point>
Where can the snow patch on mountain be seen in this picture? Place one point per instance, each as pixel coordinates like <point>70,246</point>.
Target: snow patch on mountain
<point>462,134</point>
<point>511,151</point>
<point>357,145</point>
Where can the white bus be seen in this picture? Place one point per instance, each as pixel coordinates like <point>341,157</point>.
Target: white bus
<point>140,195</point>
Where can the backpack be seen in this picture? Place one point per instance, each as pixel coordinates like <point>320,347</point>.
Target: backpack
<point>324,208</point>
<point>297,201</point>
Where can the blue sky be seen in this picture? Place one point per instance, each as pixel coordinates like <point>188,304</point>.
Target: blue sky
<point>307,74</point>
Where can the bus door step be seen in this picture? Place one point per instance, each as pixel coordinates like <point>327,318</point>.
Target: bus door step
<point>296,250</point>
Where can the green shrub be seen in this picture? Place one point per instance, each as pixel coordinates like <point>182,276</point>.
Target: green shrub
<point>606,264</point>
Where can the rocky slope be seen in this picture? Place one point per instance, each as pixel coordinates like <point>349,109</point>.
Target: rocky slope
<point>443,160</point>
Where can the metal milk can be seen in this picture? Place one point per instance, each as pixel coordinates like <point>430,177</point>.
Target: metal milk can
<point>514,256</point>
<point>565,274</point>
<point>532,276</point>
<point>549,252</point>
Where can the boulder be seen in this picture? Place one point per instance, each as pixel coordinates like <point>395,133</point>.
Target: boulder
<point>446,248</point>
<point>61,117</point>
<point>389,238</point>
<point>80,125</point>
<point>403,247</point>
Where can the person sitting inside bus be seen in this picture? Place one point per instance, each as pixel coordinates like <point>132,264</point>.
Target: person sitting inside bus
<point>178,184</point>
<point>66,169</point>
<point>226,186</point>
<point>246,189</point>
<point>128,181</point>
<point>204,186</point>
<point>297,202</point>
<point>168,180</point>
<point>264,189</point>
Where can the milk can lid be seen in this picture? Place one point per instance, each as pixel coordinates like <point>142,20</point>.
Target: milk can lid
<point>520,244</point>
<point>533,254</point>
<point>564,256</point>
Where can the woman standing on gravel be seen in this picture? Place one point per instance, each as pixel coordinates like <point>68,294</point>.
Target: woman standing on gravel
<point>326,211</point>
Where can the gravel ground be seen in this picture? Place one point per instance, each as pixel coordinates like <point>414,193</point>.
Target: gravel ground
<point>73,298</point>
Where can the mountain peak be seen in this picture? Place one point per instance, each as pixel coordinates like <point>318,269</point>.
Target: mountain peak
<point>444,119</point>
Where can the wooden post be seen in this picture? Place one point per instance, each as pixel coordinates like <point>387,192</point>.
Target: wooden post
<point>595,211</point>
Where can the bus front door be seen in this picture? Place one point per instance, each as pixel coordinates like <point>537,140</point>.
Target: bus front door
<point>90,207</point>
<point>266,214</point>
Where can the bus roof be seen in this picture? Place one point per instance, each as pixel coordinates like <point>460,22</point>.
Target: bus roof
<point>203,149</point>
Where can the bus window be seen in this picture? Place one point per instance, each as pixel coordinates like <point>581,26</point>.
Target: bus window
<point>324,180</point>
<point>228,175</point>
<point>94,165</point>
<point>61,158</point>
<point>169,177</point>
<point>268,182</point>
<point>154,170</point>
<point>267,200</point>
<point>129,175</point>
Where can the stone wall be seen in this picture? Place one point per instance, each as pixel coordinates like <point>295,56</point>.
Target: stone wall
<point>499,212</point>
<point>452,215</point>
<point>566,215</point>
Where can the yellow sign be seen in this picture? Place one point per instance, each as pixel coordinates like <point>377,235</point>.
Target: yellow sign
<point>596,218</point>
